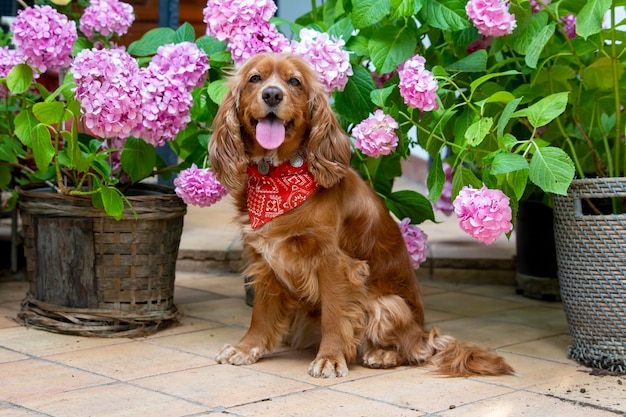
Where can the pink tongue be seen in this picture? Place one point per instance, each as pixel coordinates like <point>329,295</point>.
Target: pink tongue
<point>270,133</point>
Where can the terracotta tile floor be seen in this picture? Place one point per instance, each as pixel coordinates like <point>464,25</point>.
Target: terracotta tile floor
<point>173,373</point>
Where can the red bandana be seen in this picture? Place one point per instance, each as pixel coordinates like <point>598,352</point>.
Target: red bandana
<point>283,188</point>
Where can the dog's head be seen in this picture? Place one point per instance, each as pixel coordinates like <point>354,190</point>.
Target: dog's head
<point>276,107</point>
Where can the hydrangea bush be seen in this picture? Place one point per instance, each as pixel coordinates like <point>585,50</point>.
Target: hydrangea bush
<point>510,99</point>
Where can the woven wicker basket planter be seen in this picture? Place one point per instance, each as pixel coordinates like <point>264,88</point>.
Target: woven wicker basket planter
<point>91,275</point>
<point>591,256</point>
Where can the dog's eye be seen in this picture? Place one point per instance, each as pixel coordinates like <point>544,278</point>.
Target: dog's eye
<point>293,81</point>
<point>256,78</point>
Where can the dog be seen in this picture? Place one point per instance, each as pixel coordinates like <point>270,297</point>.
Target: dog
<point>328,262</point>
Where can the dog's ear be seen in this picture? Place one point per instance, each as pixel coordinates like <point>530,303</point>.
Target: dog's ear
<point>328,147</point>
<point>226,148</point>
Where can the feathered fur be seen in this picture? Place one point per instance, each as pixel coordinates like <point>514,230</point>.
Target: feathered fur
<point>334,272</point>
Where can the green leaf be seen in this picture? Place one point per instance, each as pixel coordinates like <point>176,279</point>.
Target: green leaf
<point>50,113</point>
<point>505,162</point>
<point>342,29</point>
<point>354,102</point>
<point>368,12</point>
<point>411,204</point>
<point>19,78</point>
<point>524,35</point>
<point>25,124</point>
<point>112,202</point>
<point>391,45</point>
<point>73,151</point>
<point>475,62</point>
<point>476,83</point>
<point>436,179</point>
<point>545,110</point>
<point>43,151</point>
<point>138,158</point>
<point>217,90</point>
<point>599,74</point>
<point>589,19</point>
<point>552,170</point>
<point>506,116</point>
<point>445,14</point>
<point>478,130</point>
<point>7,152</point>
<point>185,33</point>
<point>537,45</point>
<point>405,8</point>
<point>210,45</point>
<point>464,177</point>
<point>151,40</point>
<point>517,180</point>
<point>379,97</point>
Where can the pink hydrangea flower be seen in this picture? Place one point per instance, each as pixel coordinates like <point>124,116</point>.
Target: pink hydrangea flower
<point>569,25</point>
<point>198,187</point>
<point>251,40</point>
<point>415,240</point>
<point>327,57</point>
<point>108,88</point>
<point>491,17</point>
<point>225,16</point>
<point>183,63</point>
<point>44,37</point>
<point>245,26</point>
<point>418,86</point>
<point>165,108</point>
<point>106,17</point>
<point>444,204</point>
<point>376,135</point>
<point>8,59</point>
<point>483,213</point>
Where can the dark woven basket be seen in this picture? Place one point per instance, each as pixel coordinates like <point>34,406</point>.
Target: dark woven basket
<point>90,274</point>
<point>591,255</point>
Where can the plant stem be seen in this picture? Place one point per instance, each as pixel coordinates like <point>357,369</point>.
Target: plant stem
<point>617,150</point>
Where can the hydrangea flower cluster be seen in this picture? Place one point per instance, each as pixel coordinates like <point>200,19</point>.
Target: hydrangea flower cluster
<point>8,59</point>
<point>107,86</point>
<point>198,187</point>
<point>164,108</point>
<point>483,213</point>
<point>44,37</point>
<point>327,57</point>
<point>184,63</point>
<point>106,17</point>
<point>245,26</point>
<point>376,135</point>
<point>415,241</point>
<point>444,204</point>
<point>491,17</point>
<point>418,86</point>
<point>569,25</point>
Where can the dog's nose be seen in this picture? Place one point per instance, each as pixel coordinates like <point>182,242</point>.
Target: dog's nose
<point>272,96</point>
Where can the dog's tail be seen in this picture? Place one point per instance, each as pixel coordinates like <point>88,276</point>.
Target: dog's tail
<point>458,358</point>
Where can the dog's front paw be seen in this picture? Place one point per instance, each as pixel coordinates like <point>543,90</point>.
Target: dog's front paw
<point>380,358</point>
<point>328,368</point>
<point>238,356</point>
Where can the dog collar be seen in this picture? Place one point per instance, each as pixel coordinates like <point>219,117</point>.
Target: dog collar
<point>273,191</point>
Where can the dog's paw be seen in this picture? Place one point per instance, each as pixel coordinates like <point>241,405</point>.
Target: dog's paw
<point>328,368</point>
<point>237,356</point>
<point>380,358</point>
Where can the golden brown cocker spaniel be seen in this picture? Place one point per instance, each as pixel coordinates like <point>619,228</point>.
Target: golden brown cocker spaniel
<point>329,264</point>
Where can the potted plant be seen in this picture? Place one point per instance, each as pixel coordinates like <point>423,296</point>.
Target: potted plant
<point>509,98</point>
<point>74,154</point>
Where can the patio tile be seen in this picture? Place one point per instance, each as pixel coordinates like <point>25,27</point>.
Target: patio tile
<point>10,410</point>
<point>227,285</point>
<point>232,311</point>
<point>131,360</point>
<point>420,390</point>
<point>10,356</point>
<point>114,400</point>
<point>323,403</point>
<point>223,386</point>
<point>552,348</point>
<point>203,342</point>
<point>41,343</point>
<point>467,304</point>
<point>35,378</point>
<point>534,316</point>
<point>525,404</point>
